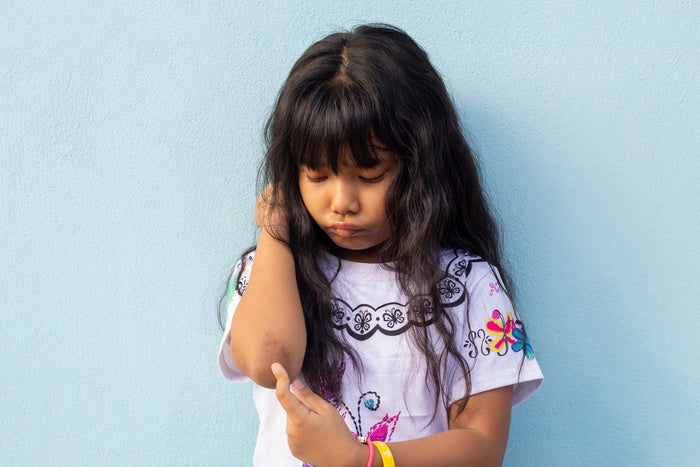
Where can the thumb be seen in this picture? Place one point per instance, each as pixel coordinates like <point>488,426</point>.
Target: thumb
<point>288,401</point>
<point>309,398</point>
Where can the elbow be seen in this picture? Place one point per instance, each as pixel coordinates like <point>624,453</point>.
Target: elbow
<point>255,361</point>
<point>263,377</point>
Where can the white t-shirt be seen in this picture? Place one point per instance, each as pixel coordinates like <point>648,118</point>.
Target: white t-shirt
<point>392,400</point>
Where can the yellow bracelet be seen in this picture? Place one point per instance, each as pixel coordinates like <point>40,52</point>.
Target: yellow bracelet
<point>385,452</point>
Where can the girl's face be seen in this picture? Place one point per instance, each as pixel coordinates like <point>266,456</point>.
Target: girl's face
<point>349,206</point>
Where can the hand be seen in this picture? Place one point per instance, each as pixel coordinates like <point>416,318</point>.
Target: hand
<point>316,433</point>
<point>272,217</point>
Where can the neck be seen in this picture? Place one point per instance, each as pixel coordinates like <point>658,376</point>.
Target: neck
<point>370,255</point>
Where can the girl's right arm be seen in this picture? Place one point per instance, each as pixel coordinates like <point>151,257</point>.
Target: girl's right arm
<point>268,325</point>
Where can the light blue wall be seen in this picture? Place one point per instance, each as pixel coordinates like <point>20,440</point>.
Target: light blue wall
<point>129,138</point>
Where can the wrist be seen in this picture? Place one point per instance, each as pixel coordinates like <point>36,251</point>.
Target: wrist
<point>273,237</point>
<point>278,232</point>
<point>356,455</point>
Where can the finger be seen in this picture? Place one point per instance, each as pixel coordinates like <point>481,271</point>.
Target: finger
<point>288,401</point>
<point>308,398</point>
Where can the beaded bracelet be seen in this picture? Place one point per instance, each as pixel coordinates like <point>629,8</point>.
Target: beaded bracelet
<point>385,452</point>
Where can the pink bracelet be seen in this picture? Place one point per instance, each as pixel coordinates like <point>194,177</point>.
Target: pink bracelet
<point>366,441</point>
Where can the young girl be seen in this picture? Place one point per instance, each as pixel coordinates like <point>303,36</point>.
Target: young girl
<point>376,288</point>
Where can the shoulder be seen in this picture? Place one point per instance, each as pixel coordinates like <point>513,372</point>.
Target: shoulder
<point>472,289</point>
<point>472,271</point>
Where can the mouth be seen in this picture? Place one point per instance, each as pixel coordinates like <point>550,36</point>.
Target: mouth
<point>345,230</point>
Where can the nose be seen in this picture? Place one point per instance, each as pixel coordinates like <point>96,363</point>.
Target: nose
<point>345,199</point>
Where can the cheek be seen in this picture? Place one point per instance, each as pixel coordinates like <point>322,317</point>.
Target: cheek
<point>379,208</point>
<point>387,229</point>
<point>303,194</point>
<point>311,203</point>
<point>385,219</point>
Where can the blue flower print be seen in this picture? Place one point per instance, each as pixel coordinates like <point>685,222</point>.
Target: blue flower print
<point>522,342</point>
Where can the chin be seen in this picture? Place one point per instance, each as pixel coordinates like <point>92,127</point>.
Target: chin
<point>358,253</point>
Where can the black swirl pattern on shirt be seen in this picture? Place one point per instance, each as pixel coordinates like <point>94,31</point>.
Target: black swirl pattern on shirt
<point>392,318</point>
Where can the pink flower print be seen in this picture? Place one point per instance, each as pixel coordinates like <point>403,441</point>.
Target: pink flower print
<point>502,330</point>
<point>495,288</point>
<point>382,430</point>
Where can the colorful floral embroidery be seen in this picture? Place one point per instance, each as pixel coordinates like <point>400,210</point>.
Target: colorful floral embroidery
<point>502,330</point>
<point>495,288</point>
<point>231,291</point>
<point>522,343</point>
<point>501,334</point>
<point>380,431</point>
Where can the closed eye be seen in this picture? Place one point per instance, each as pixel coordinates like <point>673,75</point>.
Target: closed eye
<point>376,179</point>
<point>316,179</point>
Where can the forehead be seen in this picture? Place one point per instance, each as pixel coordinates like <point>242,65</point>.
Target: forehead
<point>362,154</point>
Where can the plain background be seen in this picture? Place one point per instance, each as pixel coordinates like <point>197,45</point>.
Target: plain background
<point>130,134</point>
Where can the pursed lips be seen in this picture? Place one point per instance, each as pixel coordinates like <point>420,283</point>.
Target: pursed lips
<point>345,230</point>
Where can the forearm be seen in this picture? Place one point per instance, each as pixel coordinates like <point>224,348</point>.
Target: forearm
<point>478,435</point>
<point>268,325</point>
<point>318,435</point>
<point>456,447</point>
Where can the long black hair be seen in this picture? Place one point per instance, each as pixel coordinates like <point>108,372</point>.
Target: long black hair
<point>350,90</point>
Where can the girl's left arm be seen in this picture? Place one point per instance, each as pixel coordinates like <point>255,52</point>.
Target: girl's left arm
<point>477,436</point>
<point>318,435</point>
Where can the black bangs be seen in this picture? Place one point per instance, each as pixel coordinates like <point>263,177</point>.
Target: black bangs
<point>331,119</point>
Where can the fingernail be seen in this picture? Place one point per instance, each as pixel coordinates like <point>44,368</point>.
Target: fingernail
<point>297,384</point>
<point>275,367</point>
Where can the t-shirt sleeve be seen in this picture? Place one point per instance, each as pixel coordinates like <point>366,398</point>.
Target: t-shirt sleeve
<point>495,344</point>
<point>236,288</point>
